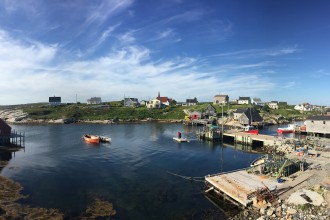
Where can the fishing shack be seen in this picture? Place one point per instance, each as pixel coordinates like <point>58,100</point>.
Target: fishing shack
<point>9,137</point>
<point>210,132</point>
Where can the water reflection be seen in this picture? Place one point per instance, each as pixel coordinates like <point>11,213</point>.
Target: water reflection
<point>60,171</point>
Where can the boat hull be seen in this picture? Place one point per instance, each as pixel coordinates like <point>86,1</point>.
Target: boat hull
<point>259,161</point>
<point>180,139</point>
<point>91,139</point>
<point>284,131</point>
<point>254,131</point>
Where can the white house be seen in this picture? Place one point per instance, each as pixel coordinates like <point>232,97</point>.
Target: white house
<point>155,103</point>
<point>220,99</point>
<point>243,100</point>
<point>257,101</point>
<point>273,105</point>
<point>303,107</point>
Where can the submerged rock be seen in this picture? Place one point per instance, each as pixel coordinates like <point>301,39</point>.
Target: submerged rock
<point>100,208</point>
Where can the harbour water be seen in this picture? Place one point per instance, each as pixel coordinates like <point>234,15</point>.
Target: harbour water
<point>59,170</point>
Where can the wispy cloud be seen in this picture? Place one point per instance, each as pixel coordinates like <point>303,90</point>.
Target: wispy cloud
<point>100,13</point>
<point>253,53</point>
<point>127,37</point>
<point>320,73</point>
<point>129,69</point>
<point>184,17</point>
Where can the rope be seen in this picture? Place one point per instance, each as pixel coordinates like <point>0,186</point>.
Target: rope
<point>197,179</point>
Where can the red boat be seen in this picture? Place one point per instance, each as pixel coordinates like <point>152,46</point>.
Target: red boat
<point>290,129</point>
<point>91,138</point>
<point>251,130</point>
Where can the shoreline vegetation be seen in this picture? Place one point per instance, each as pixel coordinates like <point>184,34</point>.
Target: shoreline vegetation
<point>115,112</point>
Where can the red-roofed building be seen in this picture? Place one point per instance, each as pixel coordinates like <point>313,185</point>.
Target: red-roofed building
<point>164,100</point>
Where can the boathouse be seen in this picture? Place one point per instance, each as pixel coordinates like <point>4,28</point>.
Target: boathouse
<point>318,125</point>
<point>5,132</point>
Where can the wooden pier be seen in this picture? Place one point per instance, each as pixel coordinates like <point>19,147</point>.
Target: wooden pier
<point>15,140</point>
<point>239,185</point>
<point>249,139</point>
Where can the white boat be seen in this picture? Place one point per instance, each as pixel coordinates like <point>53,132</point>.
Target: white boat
<point>259,161</point>
<point>105,139</point>
<point>180,139</point>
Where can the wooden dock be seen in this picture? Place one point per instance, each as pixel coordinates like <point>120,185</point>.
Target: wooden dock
<point>249,139</point>
<point>239,185</point>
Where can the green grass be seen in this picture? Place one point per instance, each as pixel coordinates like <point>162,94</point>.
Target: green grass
<point>115,110</point>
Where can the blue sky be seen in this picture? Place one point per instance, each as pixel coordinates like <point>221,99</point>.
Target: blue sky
<point>274,50</point>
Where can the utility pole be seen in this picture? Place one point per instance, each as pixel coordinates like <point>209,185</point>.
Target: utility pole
<point>222,122</point>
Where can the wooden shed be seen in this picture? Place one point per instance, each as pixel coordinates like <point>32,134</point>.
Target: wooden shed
<point>5,132</point>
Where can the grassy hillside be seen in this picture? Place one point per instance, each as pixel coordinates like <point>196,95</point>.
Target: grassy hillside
<point>115,110</point>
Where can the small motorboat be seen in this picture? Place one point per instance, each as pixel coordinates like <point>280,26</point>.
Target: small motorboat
<point>180,139</point>
<point>259,161</point>
<point>105,139</point>
<point>251,129</point>
<point>91,138</point>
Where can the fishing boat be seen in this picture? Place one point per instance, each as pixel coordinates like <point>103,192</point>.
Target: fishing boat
<point>91,138</point>
<point>259,161</point>
<point>251,129</point>
<point>289,129</point>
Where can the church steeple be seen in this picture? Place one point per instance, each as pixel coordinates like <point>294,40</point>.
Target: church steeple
<point>158,94</point>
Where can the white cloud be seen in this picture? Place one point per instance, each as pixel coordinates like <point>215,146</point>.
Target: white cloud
<point>106,9</point>
<point>254,53</point>
<point>126,38</point>
<point>29,73</point>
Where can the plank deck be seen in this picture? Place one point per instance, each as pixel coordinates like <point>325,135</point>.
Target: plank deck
<point>239,185</point>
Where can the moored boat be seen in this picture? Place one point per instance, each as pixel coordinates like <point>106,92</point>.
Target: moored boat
<point>259,161</point>
<point>180,139</point>
<point>289,129</point>
<point>91,138</point>
<point>105,139</point>
<point>251,129</point>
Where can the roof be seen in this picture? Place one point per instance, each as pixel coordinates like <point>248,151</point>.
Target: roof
<point>319,118</point>
<point>192,100</point>
<point>94,99</point>
<point>163,99</point>
<point>253,115</point>
<point>4,125</point>
<point>244,98</point>
<point>240,110</point>
<point>257,99</point>
<point>131,99</point>
<point>220,96</point>
<point>54,99</point>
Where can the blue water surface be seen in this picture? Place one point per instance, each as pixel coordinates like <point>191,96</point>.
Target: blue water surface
<point>59,170</point>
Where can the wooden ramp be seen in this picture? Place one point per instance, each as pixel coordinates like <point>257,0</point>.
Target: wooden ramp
<point>239,185</point>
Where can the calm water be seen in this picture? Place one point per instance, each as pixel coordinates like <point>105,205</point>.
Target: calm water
<point>58,170</point>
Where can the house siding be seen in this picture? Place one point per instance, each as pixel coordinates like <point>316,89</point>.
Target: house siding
<point>5,132</point>
<point>315,125</point>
